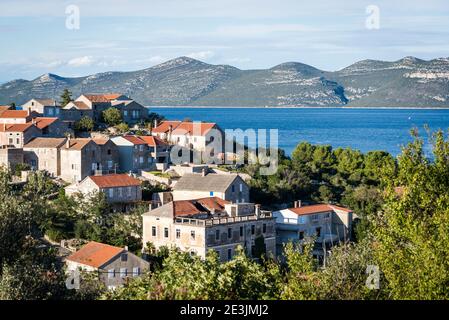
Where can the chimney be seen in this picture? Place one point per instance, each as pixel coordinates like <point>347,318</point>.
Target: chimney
<point>126,248</point>
<point>155,123</point>
<point>257,210</point>
<point>29,111</point>
<point>67,144</point>
<point>297,204</point>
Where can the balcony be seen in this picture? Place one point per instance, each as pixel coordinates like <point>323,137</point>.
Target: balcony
<point>222,220</point>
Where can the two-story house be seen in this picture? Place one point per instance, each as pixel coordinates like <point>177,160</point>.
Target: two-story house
<point>44,154</point>
<point>197,226</point>
<point>17,134</point>
<point>113,265</point>
<point>328,224</point>
<point>44,107</point>
<point>229,187</point>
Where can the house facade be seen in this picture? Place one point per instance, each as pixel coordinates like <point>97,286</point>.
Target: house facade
<point>197,226</point>
<point>45,107</point>
<point>10,156</point>
<point>17,134</point>
<point>328,224</point>
<point>113,264</point>
<point>229,187</point>
<point>44,154</point>
<point>118,188</point>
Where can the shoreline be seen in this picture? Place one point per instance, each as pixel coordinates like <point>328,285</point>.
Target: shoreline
<point>285,107</point>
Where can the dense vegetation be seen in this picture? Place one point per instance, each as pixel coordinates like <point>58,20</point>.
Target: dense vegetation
<point>403,204</point>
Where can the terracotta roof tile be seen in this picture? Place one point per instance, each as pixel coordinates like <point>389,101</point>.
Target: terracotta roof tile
<point>193,128</point>
<point>153,141</point>
<point>42,123</point>
<point>78,144</point>
<point>14,114</point>
<point>79,105</point>
<point>115,180</point>
<point>164,126</point>
<point>317,208</point>
<point>45,143</point>
<point>95,254</point>
<point>16,127</point>
<point>134,139</point>
<point>197,206</point>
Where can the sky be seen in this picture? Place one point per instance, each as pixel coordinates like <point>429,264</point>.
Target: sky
<point>45,36</point>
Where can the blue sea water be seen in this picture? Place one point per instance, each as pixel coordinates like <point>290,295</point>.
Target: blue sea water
<point>362,129</point>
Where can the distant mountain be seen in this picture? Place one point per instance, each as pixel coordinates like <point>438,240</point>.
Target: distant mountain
<point>409,82</point>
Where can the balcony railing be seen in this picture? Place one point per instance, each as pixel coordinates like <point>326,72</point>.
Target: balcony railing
<point>223,220</point>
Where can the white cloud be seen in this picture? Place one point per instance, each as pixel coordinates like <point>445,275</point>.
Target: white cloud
<point>201,55</point>
<point>84,61</point>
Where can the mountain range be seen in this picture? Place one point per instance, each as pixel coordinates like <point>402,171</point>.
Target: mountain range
<point>408,82</point>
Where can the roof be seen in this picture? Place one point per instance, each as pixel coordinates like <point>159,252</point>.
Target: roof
<point>317,208</point>
<point>4,108</point>
<point>209,182</point>
<point>102,97</point>
<point>193,128</point>
<point>14,114</point>
<point>101,141</point>
<point>16,127</point>
<point>78,144</point>
<point>164,126</point>
<point>190,207</point>
<point>42,123</point>
<point>95,254</point>
<point>47,102</point>
<point>153,141</point>
<point>79,105</point>
<point>134,139</point>
<point>45,143</point>
<point>115,180</point>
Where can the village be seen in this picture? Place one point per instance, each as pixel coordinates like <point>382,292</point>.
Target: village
<point>111,144</point>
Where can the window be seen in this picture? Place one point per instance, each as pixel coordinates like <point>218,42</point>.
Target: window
<point>153,231</point>
<point>229,254</point>
<point>111,273</point>
<point>111,192</point>
<point>110,164</point>
<point>166,232</point>
<point>301,235</point>
<point>17,141</point>
<point>140,159</point>
<point>318,232</point>
<point>11,141</point>
<point>192,253</point>
<point>192,235</point>
<point>211,193</point>
<point>124,257</point>
<point>129,190</point>
<point>136,271</point>
<point>264,228</point>
<point>217,234</point>
<point>125,113</point>
<point>229,233</point>
<point>232,188</point>
<point>241,231</point>
<point>109,152</point>
<point>123,272</point>
<point>302,220</point>
<point>141,147</point>
<point>241,187</point>
<point>253,229</point>
<point>178,233</point>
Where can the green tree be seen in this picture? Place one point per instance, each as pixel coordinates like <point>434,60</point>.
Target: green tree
<point>122,127</point>
<point>66,97</point>
<point>112,116</point>
<point>86,123</point>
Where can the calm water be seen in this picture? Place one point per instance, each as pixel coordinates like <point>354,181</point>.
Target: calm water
<point>363,129</point>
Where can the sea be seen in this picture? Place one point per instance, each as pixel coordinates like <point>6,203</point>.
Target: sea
<point>362,129</point>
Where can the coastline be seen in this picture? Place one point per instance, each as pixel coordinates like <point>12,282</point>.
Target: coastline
<point>295,107</point>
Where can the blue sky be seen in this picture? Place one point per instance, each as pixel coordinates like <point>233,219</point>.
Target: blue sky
<point>123,35</point>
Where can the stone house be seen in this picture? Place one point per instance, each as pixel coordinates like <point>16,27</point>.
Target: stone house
<point>197,226</point>
<point>84,157</point>
<point>44,154</point>
<point>118,188</point>
<point>75,110</point>
<point>17,134</point>
<point>45,107</point>
<point>17,116</point>
<point>131,111</point>
<point>229,187</point>
<point>112,264</point>
<point>52,127</point>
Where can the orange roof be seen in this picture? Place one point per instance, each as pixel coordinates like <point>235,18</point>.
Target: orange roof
<point>193,128</point>
<point>134,139</point>
<point>115,180</point>
<point>14,114</point>
<point>152,141</point>
<point>80,105</point>
<point>79,143</point>
<point>317,208</point>
<point>164,126</point>
<point>101,141</point>
<point>4,108</point>
<point>106,97</point>
<point>16,127</point>
<point>42,123</point>
<point>203,205</point>
<point>95,254</point>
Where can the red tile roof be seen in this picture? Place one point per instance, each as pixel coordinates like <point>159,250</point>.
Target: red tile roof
<point>134,139</point>
<point>152,141</point>
<point>106,97</point>
<point>164,126</point>
<point>14,114</point>
<point>203,205</point>
<point>317,208</point>
<point>78,144</point>
<point>16,127</point>
<point>115,180</point>
<point>4,108</point>
<point>42,123</point>
<point>193,128</point>
<point>95,254</point>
